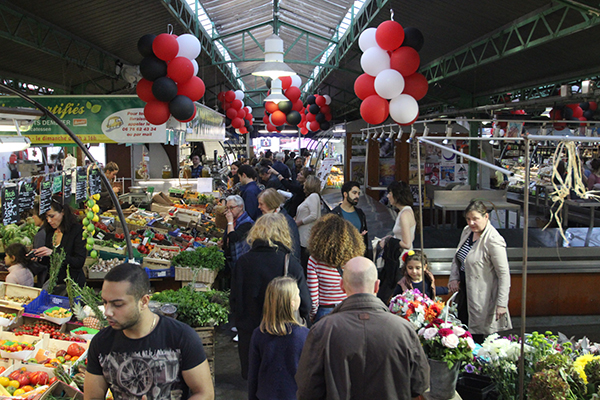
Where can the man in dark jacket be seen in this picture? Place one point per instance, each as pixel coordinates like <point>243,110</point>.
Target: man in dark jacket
<point>348,210</point>
<point>280,167</point>
<point>249,190</point>
<point>361,350</point>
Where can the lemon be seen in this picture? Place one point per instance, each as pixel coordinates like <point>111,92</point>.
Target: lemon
<point>96,217</point>
<point>95,208</point>
<point>14,384</point>
<point>96,196</point>
<point>4,381</point>
<point>18,392</point>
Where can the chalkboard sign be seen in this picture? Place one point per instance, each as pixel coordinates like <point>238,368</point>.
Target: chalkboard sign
<point>26,196</point>
<point>95,185</point>
<point>67,188</point>
<point>45,196</point>
<point>10,204</point>
<point>81,186</point>
<point>57,182</point>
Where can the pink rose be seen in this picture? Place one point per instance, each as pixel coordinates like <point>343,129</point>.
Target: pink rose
<point>458,331</point>
<point>450,341</point>
<point>430,333</point>
<point>446,331</point>
<point>471,343</point>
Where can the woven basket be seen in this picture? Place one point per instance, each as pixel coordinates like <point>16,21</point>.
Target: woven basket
<point>203,275</point>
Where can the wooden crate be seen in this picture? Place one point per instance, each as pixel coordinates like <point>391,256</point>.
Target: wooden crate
<point>207,334</point>
<point>156,263</point>
<point>111,249</point>
<point>11,290</point>
<point>204,275</point>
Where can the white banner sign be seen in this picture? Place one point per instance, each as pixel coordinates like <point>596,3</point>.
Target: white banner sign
<point>130,126</point>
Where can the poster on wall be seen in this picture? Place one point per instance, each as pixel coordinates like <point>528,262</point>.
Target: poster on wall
<point>462,173</point>
<point>357,170</point>
<point>387,171</point>
<point>446,174</point>
<point>432,173</point>
<point>325,169</point>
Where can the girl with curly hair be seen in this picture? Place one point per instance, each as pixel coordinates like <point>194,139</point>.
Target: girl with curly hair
<point>333,242</point>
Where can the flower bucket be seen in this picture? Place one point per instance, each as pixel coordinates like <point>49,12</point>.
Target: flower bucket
<point>442,381</point>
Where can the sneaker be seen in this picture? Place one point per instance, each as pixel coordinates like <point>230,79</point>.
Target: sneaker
<point>235,339</point>
<point>233,329</point>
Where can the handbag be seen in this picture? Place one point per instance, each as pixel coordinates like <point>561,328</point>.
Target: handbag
<point>286,265</point>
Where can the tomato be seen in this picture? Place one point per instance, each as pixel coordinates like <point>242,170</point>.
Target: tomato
<point>75,350</point>
<point>52,380</point>
<point>2,369</point>
<point>27,388</point>
<point>39,378</point>
<point>23,380</point>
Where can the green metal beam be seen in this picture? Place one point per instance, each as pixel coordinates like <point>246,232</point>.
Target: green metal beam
<point>22,27</point>
<point>544,25</point>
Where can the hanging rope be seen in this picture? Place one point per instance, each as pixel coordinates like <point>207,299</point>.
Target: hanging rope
<point>392,14</point>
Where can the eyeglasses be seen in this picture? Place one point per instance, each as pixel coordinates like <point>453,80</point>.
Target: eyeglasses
<point>232,207</point>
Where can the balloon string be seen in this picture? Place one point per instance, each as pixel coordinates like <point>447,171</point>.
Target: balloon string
<point>392,14</point>
<point>170,29</point>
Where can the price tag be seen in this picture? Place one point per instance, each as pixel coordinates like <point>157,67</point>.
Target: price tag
<point>100,235</point>
<point>10,204</point>
<point>67,187</point>
<point>26,195</point>
<point>45,196</point>
<point>57,183</point>
<point>145,241</point>
<point>81,185</point>
<point>95,183</point>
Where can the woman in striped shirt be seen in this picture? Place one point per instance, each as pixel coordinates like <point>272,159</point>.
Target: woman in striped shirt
<point>333,242</point>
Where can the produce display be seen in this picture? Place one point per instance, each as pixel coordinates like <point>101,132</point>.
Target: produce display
<point>13,347</point>
<point>197,308</point>
<point>22,382</point>
<point>8,315</point>
<point>18,234</point>
<point>164,254</point>
<point>91,217</point>
<point>44,327</point>
<point>19,299</point>
<point>203,257</point>
<point>58,312</point>
<point>105,265</point>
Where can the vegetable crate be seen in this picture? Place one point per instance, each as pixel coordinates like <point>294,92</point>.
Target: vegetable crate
<point>59,389</point>
<point>45,301</point>
<point>203,275</point>
<point>17,295</point>
<point>160,273</point>
<point>110,249</point>
<point>207,334</point>
<point>152,262</point>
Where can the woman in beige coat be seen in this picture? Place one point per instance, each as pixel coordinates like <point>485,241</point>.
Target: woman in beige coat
<point>481,274</point>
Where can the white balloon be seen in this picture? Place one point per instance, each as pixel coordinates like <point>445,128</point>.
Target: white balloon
<point>249,109</point>
<point>374,60</point>
<point>367,39</point>
<point>296,80</point>
<point>270,120</point>
<point>195,64</point>
<point>239,95</point>
<point>189,46</point>
<point>389,83</point>
<point>404,109</point>
<point>327,99</point>
<point>243,105</point>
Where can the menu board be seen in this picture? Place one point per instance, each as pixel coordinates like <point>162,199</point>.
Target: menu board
<point>45,196</point>
<point>57,182</point>
<point>67,186</point>
<point>81,185</point>
<point>26,195</point>
<point>95,185</point>
<point>10,204</point>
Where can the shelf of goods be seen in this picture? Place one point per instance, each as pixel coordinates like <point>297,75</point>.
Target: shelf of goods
<point>335,179</point>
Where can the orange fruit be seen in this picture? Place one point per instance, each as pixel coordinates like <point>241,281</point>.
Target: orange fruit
<point>27,388</point>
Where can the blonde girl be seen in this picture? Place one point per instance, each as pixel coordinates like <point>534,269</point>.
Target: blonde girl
<point>277,343</point>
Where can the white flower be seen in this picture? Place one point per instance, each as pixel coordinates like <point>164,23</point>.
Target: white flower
<point>459,331</point>
<point>450,341</point>
<point>430,333</point>
<point>471,343</point>
<point>421,331</point>
<point>446,325</point>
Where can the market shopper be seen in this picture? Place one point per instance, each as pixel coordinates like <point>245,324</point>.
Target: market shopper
<point>196,166</point>
<point>416,275</point>
<point>333,242</point>
<point>276,345</point>
<point>19,270</point>
<point>348,210</point>
<point>594,178</point>
<point>308,213</point>
<point>270,201</point>
<point>165,357</point>
<point>233,176</point>
<point>238,225</point>
<point>296,188</point>
<point>268,259</point>
<point>361,350</point>
<point>110,171</point>
<point>280,167</point>
<point>269,180</point>
<point>249,190</point>
<point>67,234</point>
<point>481,275</point>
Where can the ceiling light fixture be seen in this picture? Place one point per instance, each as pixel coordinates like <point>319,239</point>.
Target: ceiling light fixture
<point>14,143</point>
<point>273,67</point>
<point>276,94</point>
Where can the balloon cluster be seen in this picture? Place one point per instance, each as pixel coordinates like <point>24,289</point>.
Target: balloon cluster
<point>579,112</point>
<point>390,85</point>
<point>238,116</point>
<point>169,85</point>
<point>287,112</point>
<point>318,114</point>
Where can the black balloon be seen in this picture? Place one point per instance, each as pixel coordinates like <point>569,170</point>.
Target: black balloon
<point>567,113</point>
<point>246,123</point>
<point>413,38</point>
<point>294,118</point>
<point>269,80</point>
<point>320,118</point>
<point>285,106</point>
<point>145,45</point>
<point>181,107</point>
<point>314,109</point>
<point>325,125</point>
<point>164,89</point>
<point>227,122</point>
<point>588,114</point>
<point>153,68</point>
<point>280,127</point>
<point>584,106</point>
<point>311,100</point>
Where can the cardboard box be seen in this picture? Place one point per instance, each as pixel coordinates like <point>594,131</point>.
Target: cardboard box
<point>61,389</point>
<point>11,291</point>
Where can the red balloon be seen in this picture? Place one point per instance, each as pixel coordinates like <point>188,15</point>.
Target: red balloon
<point>144,90</point>
<point>559,126</point>
<point>278,118</point>
<point>311,117</point>
<point>374,109</point>
<point>194,88</point>
<point>271,128</point>
<point>555,114</point>
<point>243,130</point>
<point>364,86</point>
<point>573,106</point>
<point>321,101</point>
<point>405,60</point>
<point>237,104</point>
<point>304,131</point>
<point>229,96</point>
<point>241,113</point>
<point>313,126</point>
<point>180,69</point>
<point>577,112</point>
<point>266,119</point>
<point>271,107</point>
<point>293,94</point>
<point>249,115</point>
<point>582,119</point>
<point>231,113</point>
<point>389,35</point>
<point>328,117</point>
<point>237,123</point>
<point>192,117</point>
<point>157,112</point>
<point>416,85</point>
<point>165,46</point>
<point>221,97</point>
<point>593,106</point>
<point>298,105</point>
<point>325,109</point>
<point>286,82</point>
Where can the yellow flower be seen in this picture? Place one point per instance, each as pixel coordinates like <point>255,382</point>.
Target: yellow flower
<point>580,363</point>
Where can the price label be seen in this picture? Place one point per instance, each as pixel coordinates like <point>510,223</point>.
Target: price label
<point>57,183</point>
<point>45,196</point>
<point>95,185</point>
<point>10,204</point>
<point>26,195</point>
<point>81,185</point>
<point>68,186</point>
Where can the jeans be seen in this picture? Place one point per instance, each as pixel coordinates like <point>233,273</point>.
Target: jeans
<point>322,311</point>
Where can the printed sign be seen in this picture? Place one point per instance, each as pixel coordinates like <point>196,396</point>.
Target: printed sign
<point>81,186</point>
<point>95,183</point>
<point>45,196</point>
<point>26,195</point>
<point>57,183</point>
<point>10,204</point>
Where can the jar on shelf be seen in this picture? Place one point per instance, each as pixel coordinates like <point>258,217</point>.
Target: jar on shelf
<point>166,172</point>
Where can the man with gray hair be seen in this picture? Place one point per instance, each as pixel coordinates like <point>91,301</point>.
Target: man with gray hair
<point>280,167</point>
<point>361,350</point>
<point>238,224</point>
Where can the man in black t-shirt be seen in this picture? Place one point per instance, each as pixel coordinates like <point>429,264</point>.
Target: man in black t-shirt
<point>143,355</point>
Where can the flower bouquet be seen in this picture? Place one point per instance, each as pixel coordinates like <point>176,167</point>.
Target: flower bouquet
<point>416,308</point>
<point>448,342</point>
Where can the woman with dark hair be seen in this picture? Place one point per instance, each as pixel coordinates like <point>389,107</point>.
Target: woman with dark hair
<point>234,178</point>
<point>401,197</point>
<point>481,275</point>
<point>67,234</point>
